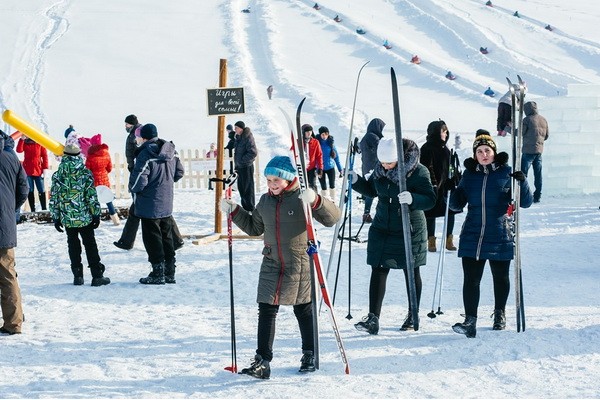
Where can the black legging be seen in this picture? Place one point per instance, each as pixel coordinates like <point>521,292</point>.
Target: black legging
<point>378,284</point>
<point>449,225</point>
<point>473,271</point>
<point>328,174</point>
<point>267,313</point>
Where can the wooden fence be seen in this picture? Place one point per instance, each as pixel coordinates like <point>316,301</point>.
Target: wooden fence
<point>198,170</point>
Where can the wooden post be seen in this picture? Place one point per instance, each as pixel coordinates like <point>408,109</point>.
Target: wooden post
<point>220,149</point>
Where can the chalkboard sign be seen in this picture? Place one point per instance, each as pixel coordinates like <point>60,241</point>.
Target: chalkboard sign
<point>224,101</point>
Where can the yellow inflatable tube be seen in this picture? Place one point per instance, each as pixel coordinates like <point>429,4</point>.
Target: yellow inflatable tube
<point>33,133</point>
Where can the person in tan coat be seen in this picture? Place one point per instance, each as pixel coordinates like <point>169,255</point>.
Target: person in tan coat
<point>285,276</point>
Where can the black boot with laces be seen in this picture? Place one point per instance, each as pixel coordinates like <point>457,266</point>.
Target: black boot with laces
<point>307,363</point>
<point>499,320</point>
<point>408,323</point>
<point>370,324</point>
<point>258,369</point>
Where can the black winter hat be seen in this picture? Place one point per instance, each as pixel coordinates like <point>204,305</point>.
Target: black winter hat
<point>481,132</point>
<point>323,129</point>
<point>484,140</point>
<point>131,120</point>
<point>306,128</point>
<point>229,127</point>
<point>240,124</point>
<point>148,131</point>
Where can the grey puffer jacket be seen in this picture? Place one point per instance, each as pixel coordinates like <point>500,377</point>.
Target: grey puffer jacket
<point>369,143</point>
<point>13,191</point>
<point>285,277</point>
<point>535,129</point>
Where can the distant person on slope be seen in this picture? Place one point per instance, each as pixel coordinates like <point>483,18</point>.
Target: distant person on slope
<point>285,273</point>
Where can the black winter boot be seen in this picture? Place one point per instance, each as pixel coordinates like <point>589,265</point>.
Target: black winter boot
<point>307,362</point>
<point>157,276</point>
<point>77,275</point>
<point>408,323</point>
<point>258,369</point>
<point>499,320</point>
<point>467,328</point>
<point>98,278</point>
<point>42,197</point>
<point>170,271</point>
<point>370,324</point>
<point>31,200</point>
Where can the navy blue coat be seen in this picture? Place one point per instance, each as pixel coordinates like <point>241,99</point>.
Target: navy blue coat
<point>13,191</point>
<point>485,234</point>
<point>156,168</point>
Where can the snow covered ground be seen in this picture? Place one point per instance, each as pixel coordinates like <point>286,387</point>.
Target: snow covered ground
<point>92,63</point>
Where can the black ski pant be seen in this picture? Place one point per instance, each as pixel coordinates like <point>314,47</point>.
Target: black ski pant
<point>245,180</point>
<point>472,273</point>
<point>311,176</point>
<point>378,283</point>
<point>89,242</point>
<point>267,314</point>
<point>157,235</point>
<point>132,224</point>
<point>327,175</point>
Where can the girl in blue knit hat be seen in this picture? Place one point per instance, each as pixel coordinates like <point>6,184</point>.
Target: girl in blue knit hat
<point>285,277</point>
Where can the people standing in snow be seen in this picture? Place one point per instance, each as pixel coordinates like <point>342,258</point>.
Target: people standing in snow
<point>243,158</point>
<point>285,275</point>
<point>435,155</point>
<point>35,161</point>
<point>486,188</point>
<point>75,209</point>
<point>314,162</point>
<point>100,163</point>
<point>13,193</point>
<point>331,160</point>
<point>156,169</point>
<point>535,133</point>
<point>368,150</point>
<point>385,248</point>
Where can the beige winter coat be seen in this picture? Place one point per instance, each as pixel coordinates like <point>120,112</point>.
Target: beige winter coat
<point>285,271</point>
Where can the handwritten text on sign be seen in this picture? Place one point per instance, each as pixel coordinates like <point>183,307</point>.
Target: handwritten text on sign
<point>225,101</point>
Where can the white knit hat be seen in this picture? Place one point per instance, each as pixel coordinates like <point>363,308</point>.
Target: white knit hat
<point>386,150</point>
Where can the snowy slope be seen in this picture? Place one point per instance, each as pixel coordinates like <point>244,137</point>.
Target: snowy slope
<point>92,63</point>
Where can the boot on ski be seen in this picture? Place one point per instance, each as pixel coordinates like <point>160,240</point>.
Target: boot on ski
<point>307,363</point>
<point>370,324</point>
<point>467,328</point>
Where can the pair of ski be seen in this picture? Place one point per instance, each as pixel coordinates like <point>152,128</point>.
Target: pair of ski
<point>517,93</point>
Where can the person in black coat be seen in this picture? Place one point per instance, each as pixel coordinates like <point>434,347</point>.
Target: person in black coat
<point>435,155</point>
<point>13,193</point>
<point>386,249</point>
<point>244,156</point>
<point>486,236</point>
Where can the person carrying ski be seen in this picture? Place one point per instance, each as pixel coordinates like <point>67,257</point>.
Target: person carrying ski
<point>385,248</point>
<point>314,162</point>
<point>331,160</point>
<point>368,150</point>
<point>435,155</point>
<point>285,275</point>
<point>486,187</point>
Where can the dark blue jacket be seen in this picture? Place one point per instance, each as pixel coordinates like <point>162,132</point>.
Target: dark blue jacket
<point>245,149</point>
<point>368,145</point>
<point>13,191</point>
<point>156,168</point>
<point>486,234</point>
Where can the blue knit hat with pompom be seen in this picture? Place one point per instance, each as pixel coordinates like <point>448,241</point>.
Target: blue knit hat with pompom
<point>281,166</point>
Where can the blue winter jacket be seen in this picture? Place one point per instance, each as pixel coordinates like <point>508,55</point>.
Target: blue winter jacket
<point>486,234</point>
<point>156,168</point>
<point>328,161</point>
<point>13,191</point>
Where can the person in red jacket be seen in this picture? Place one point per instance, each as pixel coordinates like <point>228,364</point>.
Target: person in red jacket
<point>99,162</point>
<point>35,161</point>
<point>314,166</point>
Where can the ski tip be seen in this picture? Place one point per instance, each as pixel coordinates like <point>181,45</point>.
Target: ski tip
<point>347,370</point>
<point>302,102</point>
<point>392,70</point>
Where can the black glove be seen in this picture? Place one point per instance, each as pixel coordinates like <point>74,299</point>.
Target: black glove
<point>519,175</point>
<point>341,173</point>
<point>58,226</point>
<point>95,221</point>
<point>450,184</point>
